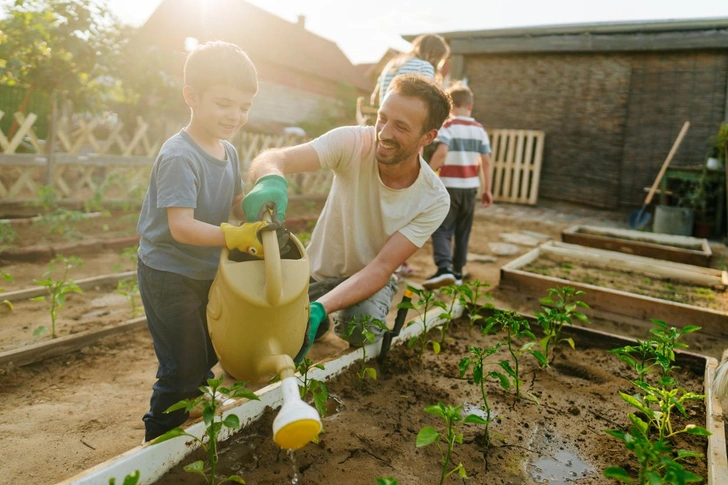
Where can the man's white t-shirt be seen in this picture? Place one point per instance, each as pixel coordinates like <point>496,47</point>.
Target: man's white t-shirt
<point>361,213</point>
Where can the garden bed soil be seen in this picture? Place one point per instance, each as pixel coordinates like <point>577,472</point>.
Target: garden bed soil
<point>631,282</point>
<point>371,432</point>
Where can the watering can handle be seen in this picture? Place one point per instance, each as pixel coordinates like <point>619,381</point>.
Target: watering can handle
<point>273,276</point>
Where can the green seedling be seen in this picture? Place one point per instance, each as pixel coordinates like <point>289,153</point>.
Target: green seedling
<point>425,302</point>
<point>452,292</point>
<point>657,406</point>
<point>57,290</point>
<point>7,233</point>
<point>312,387</point>
<point>386,481</point>
<point>470,294</point>
<point>7,277</point>
<point>477,360</point>
<point>428,435</point>
<point>515,327</point>
<point>641,357</point>
<point>666,340</point>
<point>657,461</point>
<point>127,259</point>
<point>364,325</point>
<point>557,310</point>
<point>207,401</point>
<point>132,479</point>
<point>129,288</point>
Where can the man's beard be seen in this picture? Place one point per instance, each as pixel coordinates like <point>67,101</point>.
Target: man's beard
<point>398,156</point>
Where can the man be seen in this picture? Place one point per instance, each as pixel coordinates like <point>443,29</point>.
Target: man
<point>384,203</point>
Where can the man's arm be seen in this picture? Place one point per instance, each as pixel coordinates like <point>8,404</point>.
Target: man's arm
<point>372,277</point>
<point>485,180</point>
<point>438,157</point>
<point>186,229</point>
<point>300,158</point>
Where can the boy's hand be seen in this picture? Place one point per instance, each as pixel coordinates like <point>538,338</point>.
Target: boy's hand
<point>486,198</point>
<point>245,238</point>
<point>270,188</point>
<point>316,316</point>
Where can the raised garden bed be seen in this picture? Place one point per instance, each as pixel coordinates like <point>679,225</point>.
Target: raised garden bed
<point>371,432</point>
<point>680,249</point>
<point>623,287</point>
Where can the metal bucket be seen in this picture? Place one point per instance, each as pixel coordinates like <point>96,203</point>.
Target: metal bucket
<point>673,220</point>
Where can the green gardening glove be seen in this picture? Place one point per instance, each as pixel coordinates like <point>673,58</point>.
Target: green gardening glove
<point>317,314</point>
<point>270,188</point>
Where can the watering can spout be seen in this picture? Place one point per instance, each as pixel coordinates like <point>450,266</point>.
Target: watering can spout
<point>273,273</point>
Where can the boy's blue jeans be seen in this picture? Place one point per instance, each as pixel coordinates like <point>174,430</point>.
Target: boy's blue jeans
<point>457,223</point>
<point>176,316</point>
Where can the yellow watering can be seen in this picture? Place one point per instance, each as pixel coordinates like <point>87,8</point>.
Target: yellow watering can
<point>257,317</point>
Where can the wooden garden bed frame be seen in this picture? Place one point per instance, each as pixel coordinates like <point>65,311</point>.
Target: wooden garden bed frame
<point>658,246</point>
<point>620,305</point>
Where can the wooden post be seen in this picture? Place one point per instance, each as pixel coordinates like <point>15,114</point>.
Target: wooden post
<point>50,140</point>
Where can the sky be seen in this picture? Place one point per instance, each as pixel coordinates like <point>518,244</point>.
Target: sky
<point>365,29</point>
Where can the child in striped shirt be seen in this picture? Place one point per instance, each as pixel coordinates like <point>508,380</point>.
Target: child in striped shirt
<point>462,156</point>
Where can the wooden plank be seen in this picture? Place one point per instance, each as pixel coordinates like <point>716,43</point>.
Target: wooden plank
<point>536,177</point>
<point>508,166</point>
<point>655,246</point>
<point>717,459</point>
<point>517,167</point>
<point>59,346</point>
<point>526,177</point>
<point>497,169</point>
<point>25,126</point>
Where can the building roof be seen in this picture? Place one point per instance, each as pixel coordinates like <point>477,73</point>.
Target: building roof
<point>710,33</point>
<point>264,36</point>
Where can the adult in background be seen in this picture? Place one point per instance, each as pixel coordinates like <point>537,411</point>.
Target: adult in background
<point>383,205</point>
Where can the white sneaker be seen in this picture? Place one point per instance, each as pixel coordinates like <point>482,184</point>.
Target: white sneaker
<point>442,278</point>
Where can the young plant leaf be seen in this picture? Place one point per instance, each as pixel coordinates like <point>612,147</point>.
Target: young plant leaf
<point>426,436</point>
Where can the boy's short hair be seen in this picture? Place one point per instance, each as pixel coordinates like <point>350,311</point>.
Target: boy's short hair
<point>437,100</point>
<point>219,62</point>
<point>461,94</point>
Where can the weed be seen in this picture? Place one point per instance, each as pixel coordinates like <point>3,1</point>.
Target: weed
<point>57,290</point>
<point>428,435</point>
<point>313,387</point>
<point>365,325</point>
<point>208,443</point>
<point>425,302</point>
<point>129,288</point>
<point>476,360</point>
<point>560,310</point>
<point>7,233</point>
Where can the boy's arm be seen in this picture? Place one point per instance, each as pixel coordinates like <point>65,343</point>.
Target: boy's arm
<point>485,180</point>
<point>186,229</point>
<point>237,207</point>
<point>438,157</point>
<point>372,277</point>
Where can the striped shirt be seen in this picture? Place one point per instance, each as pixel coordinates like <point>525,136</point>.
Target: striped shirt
<point>412,65</point>
<point>467,141</point>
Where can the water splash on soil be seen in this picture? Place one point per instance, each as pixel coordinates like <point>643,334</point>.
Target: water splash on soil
<point>477,410</point>
<point>562,469</point>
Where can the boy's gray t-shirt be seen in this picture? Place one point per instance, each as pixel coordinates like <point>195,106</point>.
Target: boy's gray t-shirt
<point>185,175</point>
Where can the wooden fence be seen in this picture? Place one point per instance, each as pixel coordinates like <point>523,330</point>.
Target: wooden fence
<point>516,156</point>
<point>105,158</point>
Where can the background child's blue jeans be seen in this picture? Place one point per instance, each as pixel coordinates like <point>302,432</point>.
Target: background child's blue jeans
<point>176,316</point>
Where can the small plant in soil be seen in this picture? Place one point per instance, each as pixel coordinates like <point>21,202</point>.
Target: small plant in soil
<point>208,402</point>
<point>516,328</point>
<point>665,340</point>
<point>127,259</point>
<point>558,308</point>
<point>59,220</point>
<point>312,387</point>
<point>425,302</point>
<point>57,290</point>
<point>477,360</point>
<point>386,481</point>
<point>129,289</point>
<point>470,294</point>
<point>7,277</point>
<point>364,325</point>
<point>428,435</point>
<point>7,233</point>
<point>453,292</point>
<point>131,479</point>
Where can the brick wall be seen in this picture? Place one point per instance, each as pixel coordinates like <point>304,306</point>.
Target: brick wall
<point>610,119</point>
<point>276,103</point>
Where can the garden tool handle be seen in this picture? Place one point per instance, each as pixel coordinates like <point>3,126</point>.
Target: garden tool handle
<point>674,148</point>
<point>272,260</point>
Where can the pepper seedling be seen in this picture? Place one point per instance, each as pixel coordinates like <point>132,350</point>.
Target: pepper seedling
<point>364,326</point>
<point>425,302</point>
<point>558,309</point>
<point>57,290</point>
<point>313,387</point>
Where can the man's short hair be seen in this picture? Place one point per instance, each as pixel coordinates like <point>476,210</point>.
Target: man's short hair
<point>219,62</point>
<point>437,100</point>
<point>461,95</point>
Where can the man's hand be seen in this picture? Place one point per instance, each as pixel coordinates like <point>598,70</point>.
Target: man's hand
<point>269,188</point>
<point>317,314</point>
<point>245,238</point>
<point>486,198</point>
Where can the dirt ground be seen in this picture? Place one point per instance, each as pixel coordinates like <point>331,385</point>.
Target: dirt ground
<point>66,414</point>
<point>372,432</point>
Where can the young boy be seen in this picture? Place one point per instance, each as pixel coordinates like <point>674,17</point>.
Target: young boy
<point>194,184</point>
<point>462,156</point>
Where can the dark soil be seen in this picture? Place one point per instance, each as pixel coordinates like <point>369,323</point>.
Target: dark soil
<point>372,433</point>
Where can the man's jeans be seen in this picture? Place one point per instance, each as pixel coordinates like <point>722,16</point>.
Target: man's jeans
<point>377,306</point>
<point>176,316</point>
<point>458,222</point>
